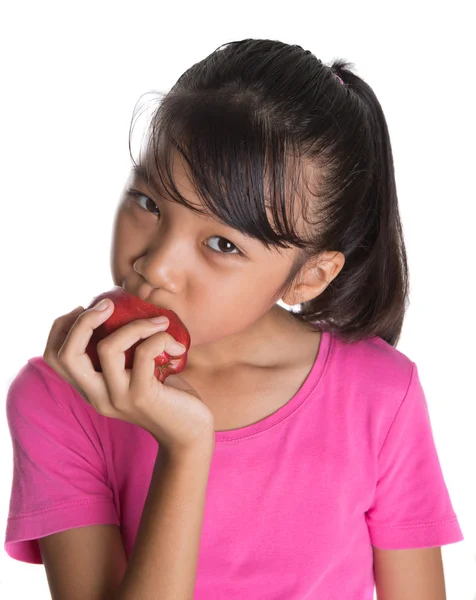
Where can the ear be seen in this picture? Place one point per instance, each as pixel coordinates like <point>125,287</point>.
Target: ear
<point>314,277</point>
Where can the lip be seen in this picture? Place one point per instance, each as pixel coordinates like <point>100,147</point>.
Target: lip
<point>140,293</point>
<point>143,293</point>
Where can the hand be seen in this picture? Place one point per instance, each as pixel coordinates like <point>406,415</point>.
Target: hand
<point>172,411</point>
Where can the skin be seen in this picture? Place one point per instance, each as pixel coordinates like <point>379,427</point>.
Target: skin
<point>171,257</point>
<point>228,304</point>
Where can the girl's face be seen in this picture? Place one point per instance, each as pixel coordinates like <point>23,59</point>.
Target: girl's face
<point>220,283</point>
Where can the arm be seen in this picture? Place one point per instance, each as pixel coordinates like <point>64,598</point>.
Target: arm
<point>164,559</point>
<point>414,574</point>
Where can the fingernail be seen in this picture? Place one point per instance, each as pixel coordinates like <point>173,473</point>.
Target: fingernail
<point>159,320</point>
<point>101,305</point>
<point>177,348</point>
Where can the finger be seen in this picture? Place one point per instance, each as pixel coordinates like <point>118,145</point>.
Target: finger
<point>68,319</point>
<point>58,333</point>
<point>111,351</point>
<point>59,330</point>
<point>72,356</point>
<point>143,372</point>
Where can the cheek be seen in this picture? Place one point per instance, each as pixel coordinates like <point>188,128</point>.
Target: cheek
<point>123,249</point>
<point>226,311</point>
<point>127,239</point>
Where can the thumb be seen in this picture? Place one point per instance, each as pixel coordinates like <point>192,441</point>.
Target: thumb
<point>66,321</point>
<point>60,330</point>
<point>57,335</point>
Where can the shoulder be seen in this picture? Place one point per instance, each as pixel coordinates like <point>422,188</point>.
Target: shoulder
<point>371,380</point>
<point>373,364</point>
<point>37,388</point>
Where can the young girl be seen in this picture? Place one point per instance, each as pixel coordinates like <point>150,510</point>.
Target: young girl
<point>293,458</point>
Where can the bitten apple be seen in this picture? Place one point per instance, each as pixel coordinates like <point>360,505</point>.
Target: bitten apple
<point>127,308</point>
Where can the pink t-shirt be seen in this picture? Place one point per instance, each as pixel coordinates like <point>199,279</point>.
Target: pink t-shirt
<point>294,502</point>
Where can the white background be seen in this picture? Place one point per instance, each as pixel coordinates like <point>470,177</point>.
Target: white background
<point>71,75</point>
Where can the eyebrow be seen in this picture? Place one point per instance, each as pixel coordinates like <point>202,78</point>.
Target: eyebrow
<point>139,171</point>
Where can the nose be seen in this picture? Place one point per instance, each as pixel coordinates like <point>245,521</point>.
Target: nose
<point>163,265</point>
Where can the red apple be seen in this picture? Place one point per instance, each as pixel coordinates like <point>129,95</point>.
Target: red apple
<point>127,308</point>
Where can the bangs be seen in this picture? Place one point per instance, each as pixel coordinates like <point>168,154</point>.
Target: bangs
<point>238,165</point>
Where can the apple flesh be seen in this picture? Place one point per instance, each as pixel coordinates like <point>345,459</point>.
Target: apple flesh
<point>127,308</point>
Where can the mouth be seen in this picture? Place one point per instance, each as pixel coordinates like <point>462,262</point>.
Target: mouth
<point>144,293</point>
<point>141,293</point>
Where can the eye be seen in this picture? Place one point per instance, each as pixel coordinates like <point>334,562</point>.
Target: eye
<point>227,242</point>
<point>137,195</point>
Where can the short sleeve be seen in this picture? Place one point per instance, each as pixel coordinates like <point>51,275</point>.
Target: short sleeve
<point>411,507</point>
<point>59,472</point>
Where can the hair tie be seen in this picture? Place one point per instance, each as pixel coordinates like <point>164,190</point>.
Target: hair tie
<point>335,75</point>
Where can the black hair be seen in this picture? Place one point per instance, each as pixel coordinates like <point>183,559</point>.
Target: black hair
<point>261,123</point>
